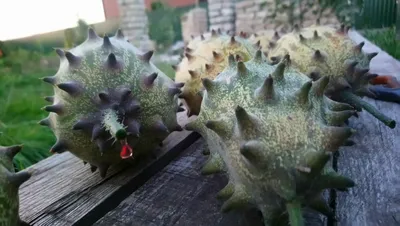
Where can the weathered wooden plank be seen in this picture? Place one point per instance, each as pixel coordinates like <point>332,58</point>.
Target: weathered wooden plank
<point>373,163</point>
<point>63,191</point>
<point>179,195</point>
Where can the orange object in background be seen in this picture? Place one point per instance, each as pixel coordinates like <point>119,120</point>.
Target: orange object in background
<point>389,81</point>
<point>1,53</point>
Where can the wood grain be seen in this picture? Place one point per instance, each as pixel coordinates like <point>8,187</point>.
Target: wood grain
<point>373,163</point>
<point>179,196</point>
<point>62,191</point>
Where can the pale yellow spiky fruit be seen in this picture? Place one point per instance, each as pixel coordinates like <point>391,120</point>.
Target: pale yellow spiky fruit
<point>328,51</point>
<point>206,57</point>
<point>265,40</point>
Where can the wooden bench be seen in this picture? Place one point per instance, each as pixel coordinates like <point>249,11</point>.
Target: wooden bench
<point>170,191</point>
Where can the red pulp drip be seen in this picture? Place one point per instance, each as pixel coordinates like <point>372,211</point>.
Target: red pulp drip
<point>126,150</point>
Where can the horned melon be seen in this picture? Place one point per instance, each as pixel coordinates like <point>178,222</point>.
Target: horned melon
<point>272,130</point>
<point>326,51</point>
<point>206,57</point>
<point>265,40</point>
<point>110,102</point>
<point>10,181</point>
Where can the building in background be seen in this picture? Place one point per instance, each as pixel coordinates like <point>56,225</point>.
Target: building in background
<point>194,23</point>
<point>112,9</point>
<point>131,16</point>
<point>134,23</point>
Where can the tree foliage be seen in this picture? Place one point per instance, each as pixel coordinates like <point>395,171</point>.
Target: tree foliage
<point>81,30</point>
<point>161,24</point>
<point>69,38</point>
<point>345,10</point>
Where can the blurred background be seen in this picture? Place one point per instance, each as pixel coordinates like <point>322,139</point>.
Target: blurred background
<point>30,29</point>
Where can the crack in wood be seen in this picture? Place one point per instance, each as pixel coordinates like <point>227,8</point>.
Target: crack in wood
<point>332,221</point>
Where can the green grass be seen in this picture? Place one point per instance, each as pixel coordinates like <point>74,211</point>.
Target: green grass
<point>21,100</point>
<point>385,39</point>
<point>167,69</point>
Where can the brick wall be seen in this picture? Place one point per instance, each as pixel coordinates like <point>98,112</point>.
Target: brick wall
<point>134,23</point>
<point>194,23</point>
<point>256,15</point>
<point>221,14</point>
<point>249,16</point>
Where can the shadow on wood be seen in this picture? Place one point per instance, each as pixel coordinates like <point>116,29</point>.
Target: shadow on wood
<point>180,195</point>
<point>64,192</point>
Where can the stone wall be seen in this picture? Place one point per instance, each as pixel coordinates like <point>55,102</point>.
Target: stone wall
<point>194,23</point>
<point>256,15</point>
<point>221,14</point>
<point>134,23</point>
<point>250,16</point>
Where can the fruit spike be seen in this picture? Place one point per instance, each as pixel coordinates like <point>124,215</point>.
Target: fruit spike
<point>324,50</point>
<point>10,181</point>
<point>110,102</point>
<point>205,57</point>
<point>272,130</point>
<point>265,39</point>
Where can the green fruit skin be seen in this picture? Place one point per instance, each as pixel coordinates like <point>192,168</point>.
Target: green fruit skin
<point>9,185</point>
<point>271,129</point>
<point>89,75</point>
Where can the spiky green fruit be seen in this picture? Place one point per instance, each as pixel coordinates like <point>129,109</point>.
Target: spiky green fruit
<point>10,181</point>
<point>108,97</point>
<point>205,57</point>
<point>272,130</point>
<point>326,51</point>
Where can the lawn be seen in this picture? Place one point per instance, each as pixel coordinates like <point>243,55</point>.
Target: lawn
<point>385,39</point>
<point>21,100</point>
<point>167,69</point>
